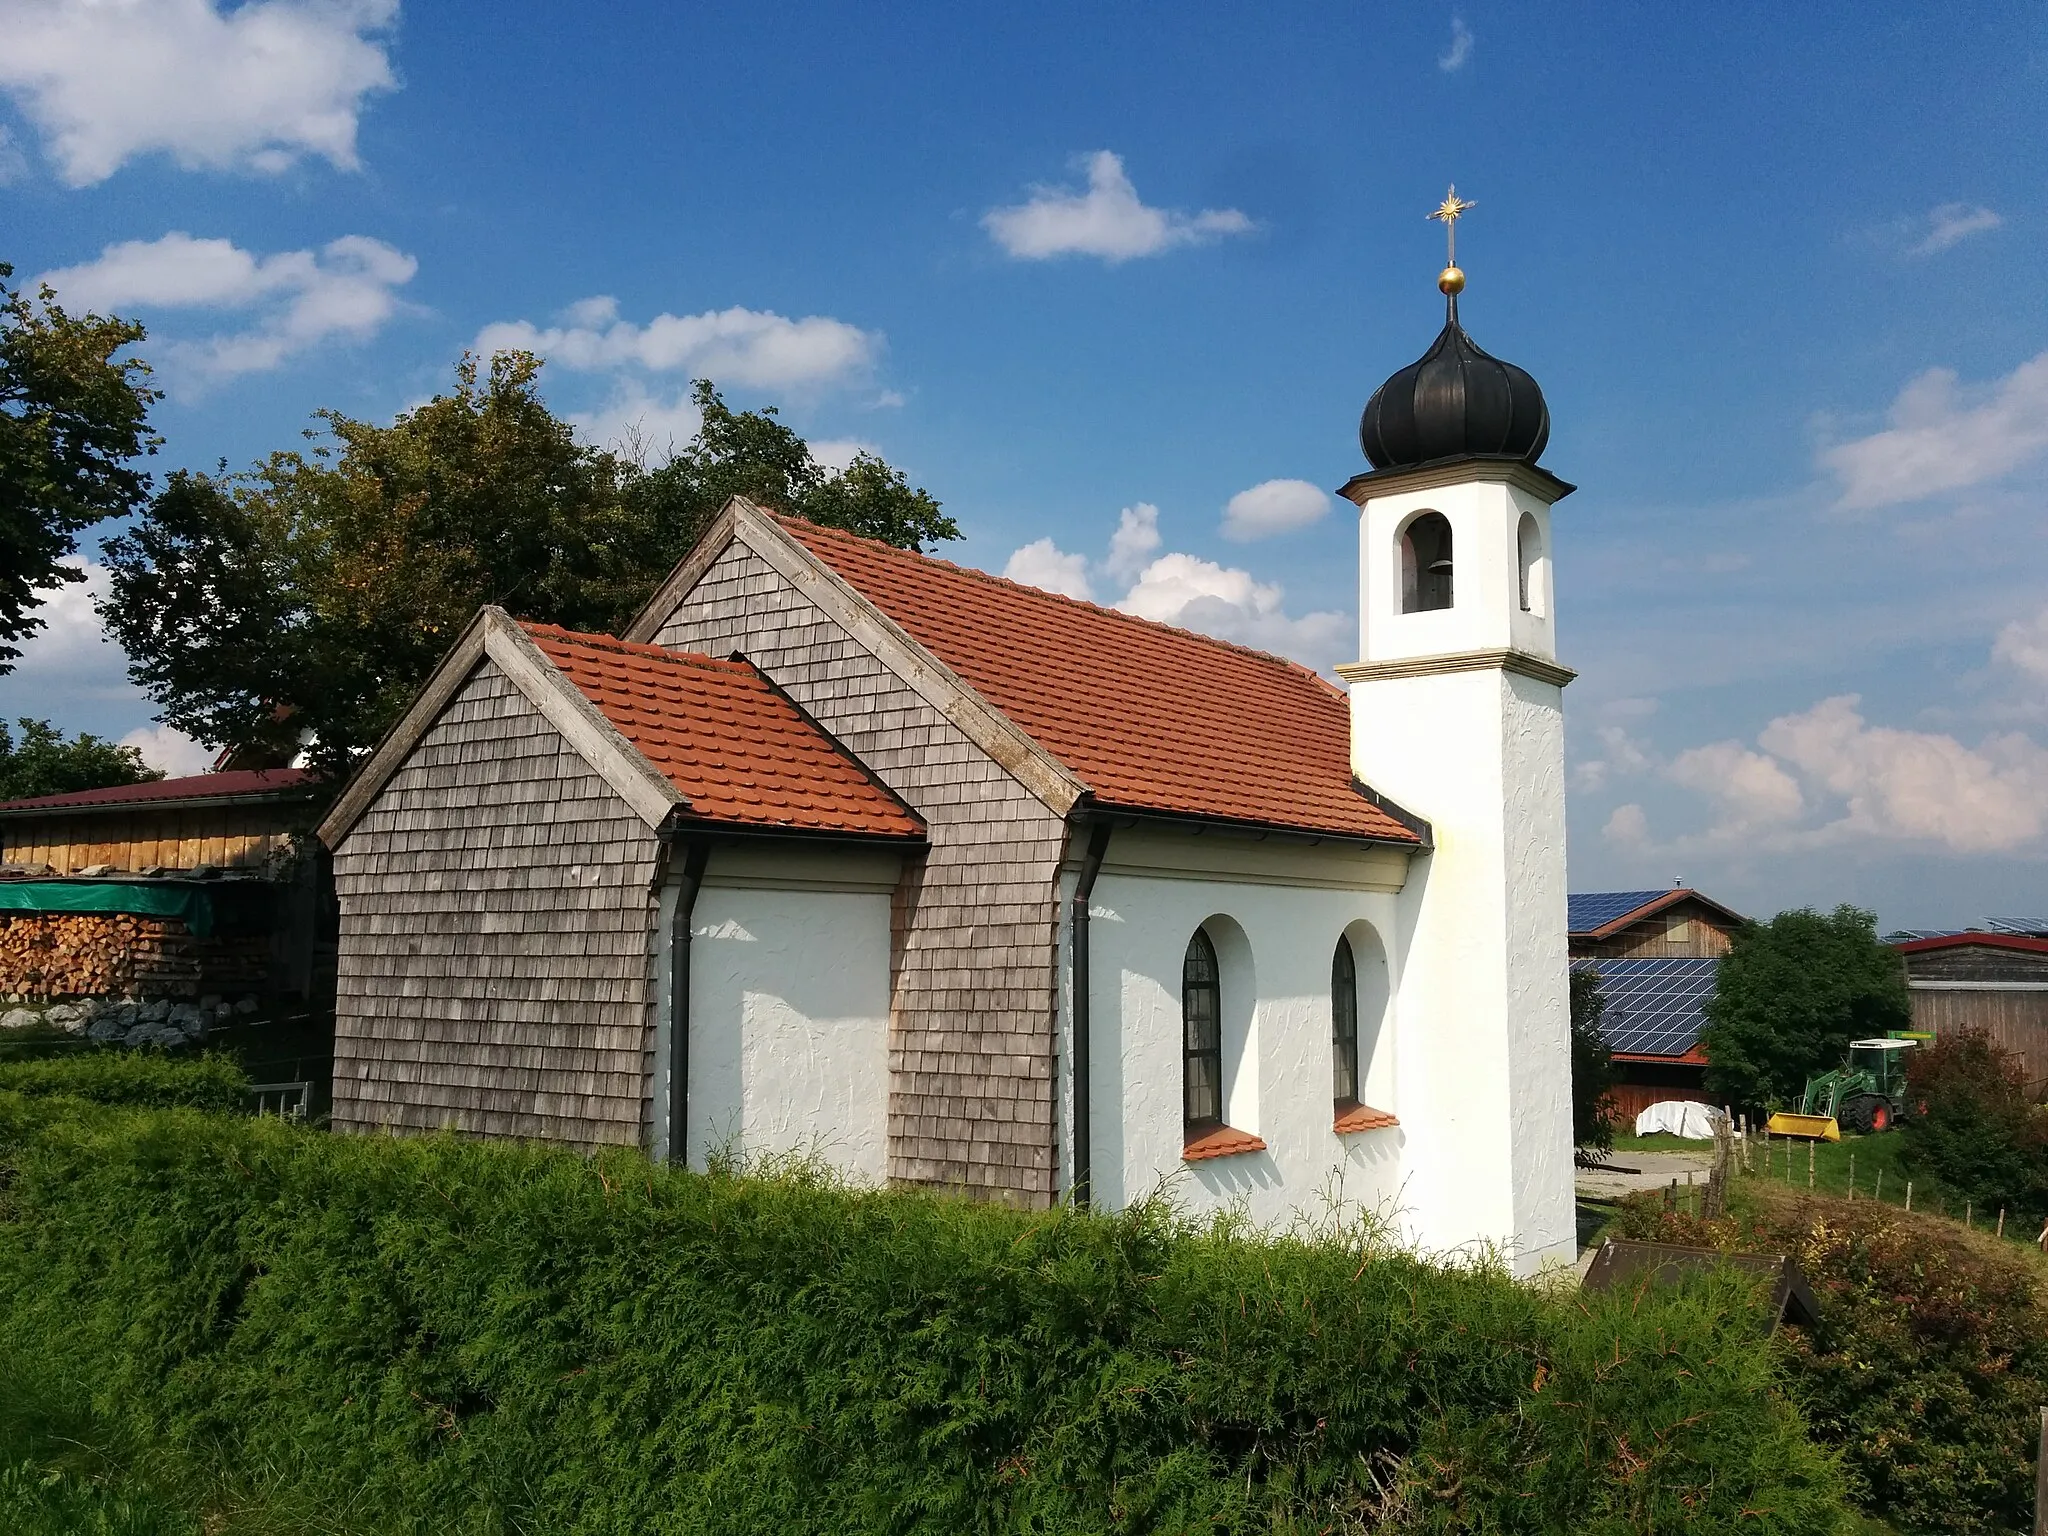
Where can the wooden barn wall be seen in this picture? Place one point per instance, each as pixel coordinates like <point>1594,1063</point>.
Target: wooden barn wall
<point>1639,1084</point>
<point>1687,929</point>
<point>2016,1020</point>
<point>227,837</point>
<point>971,1042</point>
<point>496,937</point>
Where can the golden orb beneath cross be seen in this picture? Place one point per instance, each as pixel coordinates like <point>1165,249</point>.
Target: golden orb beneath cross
<point>1451,280</point>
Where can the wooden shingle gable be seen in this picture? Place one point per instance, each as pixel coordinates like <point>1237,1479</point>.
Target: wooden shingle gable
<point>1044,775</point>
<point>495,636</point>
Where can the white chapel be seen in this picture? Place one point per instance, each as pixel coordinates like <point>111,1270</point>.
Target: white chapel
<point>849,853</point>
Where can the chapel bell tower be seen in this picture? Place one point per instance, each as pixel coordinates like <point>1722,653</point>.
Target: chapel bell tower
<point>1456,711</point>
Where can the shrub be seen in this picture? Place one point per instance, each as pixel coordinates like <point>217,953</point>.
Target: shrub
<point>142,1079</point>
<point>36,1502</point>
<point>1975,1129</point>
<point>1928,1365</point>
<point>1593,1112</point>
<point>448,1336</point>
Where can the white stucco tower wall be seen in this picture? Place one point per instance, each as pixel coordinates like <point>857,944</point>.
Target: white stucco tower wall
<point>1457,716</point>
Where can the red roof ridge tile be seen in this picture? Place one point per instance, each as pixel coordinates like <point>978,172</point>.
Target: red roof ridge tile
<point>603,642</point>
<point>1178,631</point>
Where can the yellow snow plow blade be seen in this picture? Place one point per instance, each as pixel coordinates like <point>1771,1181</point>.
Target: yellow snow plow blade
<point>1813,1127</point>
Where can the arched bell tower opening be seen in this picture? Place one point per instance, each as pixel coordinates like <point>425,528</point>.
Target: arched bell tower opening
<point>1426,564</point>
<point>1534,567</point>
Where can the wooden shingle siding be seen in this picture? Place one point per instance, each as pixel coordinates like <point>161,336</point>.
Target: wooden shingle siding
<point>496,937</point>
<point>971,1041</point>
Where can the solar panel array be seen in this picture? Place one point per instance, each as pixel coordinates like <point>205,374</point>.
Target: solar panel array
<point>2024,927</point>
<point>1654,1007</point>
<point>1596,909</point>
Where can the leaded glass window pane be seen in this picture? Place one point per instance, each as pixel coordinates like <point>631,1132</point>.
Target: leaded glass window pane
<point>1344,1024</point>
<point>1201,1001</point>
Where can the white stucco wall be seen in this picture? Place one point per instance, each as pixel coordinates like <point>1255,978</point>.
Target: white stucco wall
<point>789,1008</point>
<point>1275,912</point>
<point>1483,1009</point>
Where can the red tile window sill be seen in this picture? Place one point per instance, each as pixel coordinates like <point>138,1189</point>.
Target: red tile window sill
<point>1221,1142</point>
<point>1363,1117</point>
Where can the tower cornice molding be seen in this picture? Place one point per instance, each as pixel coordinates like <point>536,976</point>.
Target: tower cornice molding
<point>1521,474</point>
<point>1538,667</point>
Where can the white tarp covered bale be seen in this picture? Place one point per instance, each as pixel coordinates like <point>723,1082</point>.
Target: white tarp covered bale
<point>1679,1117</point>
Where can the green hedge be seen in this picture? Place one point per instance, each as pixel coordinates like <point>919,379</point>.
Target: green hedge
<point>444,1336</point>
<point>143,1079</point>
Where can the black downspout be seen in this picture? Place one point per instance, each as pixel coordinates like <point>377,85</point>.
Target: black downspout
<point>697,852</point>
<point>1084,887</point>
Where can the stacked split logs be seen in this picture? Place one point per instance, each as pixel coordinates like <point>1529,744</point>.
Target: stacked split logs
<point>46,956</point>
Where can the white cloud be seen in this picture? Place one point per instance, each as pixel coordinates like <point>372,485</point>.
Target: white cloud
<point>1953,223</point>
<point>300,298</point>
<point>1273,506</point>
<point>2024,644</point>
<point>1186,590</point>
<point>13,163</point>
<point>170,749</point>
<point>1219,600</point>
<point>1915,784</point>
<point>1045,565</point>
<point>1453,58</point>
<point>1108,220</point>
<point>1751,789</point>
<point>1940,441</point>
<point>1629,827</point>
<point>1135,541</point>
<point>253,87</point>
<point>838,453</point>
<point>645,427</point>
<point>750,348</point>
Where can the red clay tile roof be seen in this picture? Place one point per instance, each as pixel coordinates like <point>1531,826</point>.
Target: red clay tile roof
<point>1363,1117</point>
<point>1221,1142</point>
<point>739,751</point>
<point>1148,716</point>
<point>240,782</point>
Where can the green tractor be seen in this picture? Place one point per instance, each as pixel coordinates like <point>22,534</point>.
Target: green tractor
<point>1866,1094</point>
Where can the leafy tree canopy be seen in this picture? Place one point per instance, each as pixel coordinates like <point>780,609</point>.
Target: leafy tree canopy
<point>1789,997</point>
<point>306,600</point>
<point>1977,1129</point>
<point>72,419</point>
<point>1592,1066</point>
<point>44,762</point>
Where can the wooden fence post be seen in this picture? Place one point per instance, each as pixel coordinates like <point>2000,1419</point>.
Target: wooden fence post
<point>2041,1480</point>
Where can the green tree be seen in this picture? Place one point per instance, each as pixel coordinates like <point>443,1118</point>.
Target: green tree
<point>1790,995</point>
<point>1592,1065</point>
<point>752,454</point>
<point>306,600</point>
<point>44,762</point>
<point>72,420</point>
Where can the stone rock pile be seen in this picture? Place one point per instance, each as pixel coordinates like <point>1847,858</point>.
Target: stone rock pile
<point>129,1021</point>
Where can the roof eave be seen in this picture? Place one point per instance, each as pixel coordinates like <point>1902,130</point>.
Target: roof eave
<point>1199,824</point>
<point>165,803</point>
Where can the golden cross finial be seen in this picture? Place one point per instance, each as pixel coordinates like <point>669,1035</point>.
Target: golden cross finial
<point>1450,210</point>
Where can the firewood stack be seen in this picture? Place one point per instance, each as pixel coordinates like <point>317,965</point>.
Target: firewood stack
<point>46,956</point>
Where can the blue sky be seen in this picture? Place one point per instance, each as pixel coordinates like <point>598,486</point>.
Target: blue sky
<point>1090,273</point>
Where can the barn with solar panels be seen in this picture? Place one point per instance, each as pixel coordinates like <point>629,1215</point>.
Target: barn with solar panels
<point>1657,954</point>
<point>851,853</point>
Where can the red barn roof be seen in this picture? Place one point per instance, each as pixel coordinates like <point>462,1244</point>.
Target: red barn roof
<point>238,784</point>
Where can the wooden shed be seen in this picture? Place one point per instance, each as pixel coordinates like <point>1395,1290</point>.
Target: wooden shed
<point>1997,982</point>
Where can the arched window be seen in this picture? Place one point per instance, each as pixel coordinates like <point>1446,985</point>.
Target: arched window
<point>1529,550</point>
<point>1201,1011</point>
<point>1426,564</point>
<point>1344,1026</point>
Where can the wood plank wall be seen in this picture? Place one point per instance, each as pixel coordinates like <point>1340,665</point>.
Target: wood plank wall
<point>227,837</point>
<point>496,937</point>
<point>2016,1020</point>
<point>971,1050</point>
<point>1687,929</point>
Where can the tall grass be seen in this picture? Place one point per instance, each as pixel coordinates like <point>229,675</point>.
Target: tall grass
<point>444,1336</point>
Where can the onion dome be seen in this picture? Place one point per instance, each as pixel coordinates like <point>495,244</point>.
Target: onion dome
<point>1454,402</point>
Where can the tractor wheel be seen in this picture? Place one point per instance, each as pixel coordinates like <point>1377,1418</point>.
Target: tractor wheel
<point>1866,1113</point>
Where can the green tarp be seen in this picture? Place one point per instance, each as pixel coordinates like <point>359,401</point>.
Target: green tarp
<point>181,903</point>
